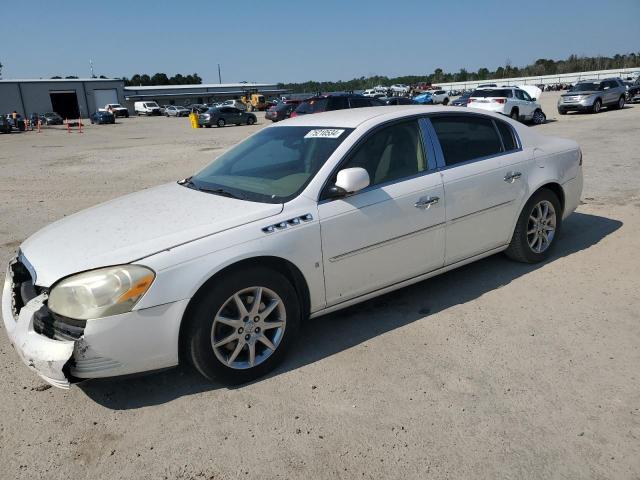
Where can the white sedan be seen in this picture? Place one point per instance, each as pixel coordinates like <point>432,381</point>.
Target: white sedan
<point>303,218</point>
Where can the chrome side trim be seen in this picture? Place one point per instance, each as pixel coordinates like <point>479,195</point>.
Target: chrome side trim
<point>384,243</point>
<point>404,283</point>
<point>503,204</point>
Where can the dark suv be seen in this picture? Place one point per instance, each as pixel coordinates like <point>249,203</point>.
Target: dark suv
<point>326,103</point>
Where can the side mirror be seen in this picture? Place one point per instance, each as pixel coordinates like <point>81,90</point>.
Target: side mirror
<point>350,180</point>
<point>533,99</point>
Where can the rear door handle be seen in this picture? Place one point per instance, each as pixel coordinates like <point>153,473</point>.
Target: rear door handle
<point>426,202</point>
<point>512,177</point>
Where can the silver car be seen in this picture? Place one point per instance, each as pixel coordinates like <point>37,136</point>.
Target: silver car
<point>592,95</point>
<point>176,111</point>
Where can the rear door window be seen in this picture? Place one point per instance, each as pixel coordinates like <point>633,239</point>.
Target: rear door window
<point>359,102</point>
<point>338,103</point>
<point>313,105</point>
<point>465,137</point>
<point>508,137</point>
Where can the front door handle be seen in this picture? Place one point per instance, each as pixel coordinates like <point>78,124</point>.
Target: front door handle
<point>512,177</point>
<point>426,202</point>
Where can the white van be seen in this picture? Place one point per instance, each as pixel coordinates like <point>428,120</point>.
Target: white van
<point>147,108</point>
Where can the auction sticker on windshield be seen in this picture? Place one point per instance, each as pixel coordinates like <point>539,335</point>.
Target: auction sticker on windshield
<point>325,133</point>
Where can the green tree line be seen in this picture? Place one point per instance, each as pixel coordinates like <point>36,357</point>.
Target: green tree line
<point>161,79</point>
<point>542,66</point>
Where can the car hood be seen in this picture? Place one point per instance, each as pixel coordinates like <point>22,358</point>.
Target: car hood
<point>585,92</point>
<point>133,227</point>
<point>532,90</point>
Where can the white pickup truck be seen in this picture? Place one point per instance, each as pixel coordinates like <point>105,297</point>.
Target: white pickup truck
<point>117,110</point>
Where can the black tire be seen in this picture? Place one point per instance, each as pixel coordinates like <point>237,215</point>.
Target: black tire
<point>562,112</point>
<point>515,115</point>
<point>620,104</point>
<point>519,248</point>
<point>597,106</point>
<point>445,102</point>
<point>539,117</point>
<point>198,332</point>
<point>251,121</point>
<point>221,122</point>
<point>207,125</point>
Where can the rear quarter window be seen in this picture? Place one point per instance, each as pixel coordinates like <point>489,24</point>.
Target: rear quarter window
<point>464,138</point>
<point>508,136</point>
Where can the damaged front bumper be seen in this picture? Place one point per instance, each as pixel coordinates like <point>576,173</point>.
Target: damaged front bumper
<point>45,356</point>
<point>61,351</point>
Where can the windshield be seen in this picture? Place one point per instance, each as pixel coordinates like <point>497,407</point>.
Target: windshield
<point>313,105</point>
<point>491,93</point>
<point>586,87</point>
<point>272,166</point>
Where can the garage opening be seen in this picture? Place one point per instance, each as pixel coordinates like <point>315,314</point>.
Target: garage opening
<point>65,104</point>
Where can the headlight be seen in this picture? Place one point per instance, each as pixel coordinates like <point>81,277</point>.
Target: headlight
<point>100,293</point>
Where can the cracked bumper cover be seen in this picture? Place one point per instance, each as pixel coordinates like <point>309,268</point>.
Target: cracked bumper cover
<point>133,342</point>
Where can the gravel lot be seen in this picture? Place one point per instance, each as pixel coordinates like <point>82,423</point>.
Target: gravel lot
<point>496,370</point>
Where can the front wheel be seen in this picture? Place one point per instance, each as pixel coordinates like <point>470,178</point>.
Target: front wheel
<point>539,117</point>
<point>221,122</point>
<point>620,104</point>
<point>243,326</point>
<point>597,105</point>
<point>537,228</point>
<point>445,102</point>
<point>251,121</point>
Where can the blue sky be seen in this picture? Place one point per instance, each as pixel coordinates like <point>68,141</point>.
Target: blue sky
<point>296,40</point>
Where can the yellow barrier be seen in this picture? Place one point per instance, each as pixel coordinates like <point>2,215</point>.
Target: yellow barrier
<point>194,120</point>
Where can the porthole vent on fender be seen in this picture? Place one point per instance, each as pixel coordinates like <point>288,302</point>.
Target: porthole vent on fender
<point>292,222</point>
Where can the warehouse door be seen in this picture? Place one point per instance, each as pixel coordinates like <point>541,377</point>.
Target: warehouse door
<point>104,97</point>
<point>65,103</point>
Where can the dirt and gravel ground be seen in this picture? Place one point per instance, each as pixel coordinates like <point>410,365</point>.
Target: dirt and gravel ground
<point>496,370</point>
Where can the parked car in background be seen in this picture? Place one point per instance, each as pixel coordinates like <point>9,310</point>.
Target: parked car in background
<point>398,101</point>
<point>197,107</point>
<point>633,93</point>
<point>461,101</point>
<point>5,126</point>
<point>425,98</point>
<point>592,95</point>
<point>326,103</point>
<point>102,117</point>
<point>280,112</point>
<point>176,111</point>
<point>440,96</point>
<point>234,104</point>
<point>374,93</point>
<point>278,229</point>
<point>488,85</point>
<point>513,102</point>
<point>146,108</point>
<point>18,123</point>
<point>221,116</point>
<point>117,110</point>
<point>399,88</point>
<point>51,118</point>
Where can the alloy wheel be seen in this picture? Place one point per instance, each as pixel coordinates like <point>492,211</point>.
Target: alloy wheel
<point>541,227</point>
<point>248,328</point>
<point>539,117</point>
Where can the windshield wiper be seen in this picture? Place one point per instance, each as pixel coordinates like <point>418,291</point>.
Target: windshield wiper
<point>187,182</point>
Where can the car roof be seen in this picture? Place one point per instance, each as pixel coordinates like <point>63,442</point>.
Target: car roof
<point>353,117</point>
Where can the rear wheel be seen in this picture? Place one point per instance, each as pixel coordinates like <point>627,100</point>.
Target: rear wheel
<point>597,106</point>
<point>243,326</point>
<point>562,112</point>
<point>250,121</point>
<point>537,228</point>
<point>515,114</point>
<point>445,102</point>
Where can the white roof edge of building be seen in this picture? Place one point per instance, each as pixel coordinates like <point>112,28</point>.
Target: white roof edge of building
<point>18,80</point>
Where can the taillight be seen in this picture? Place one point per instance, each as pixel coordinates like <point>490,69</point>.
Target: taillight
<point>499,100</point>
<point>293,114</point>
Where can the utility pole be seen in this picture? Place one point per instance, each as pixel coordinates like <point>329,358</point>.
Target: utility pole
<point>219,75</point>
<point>91,68</point>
